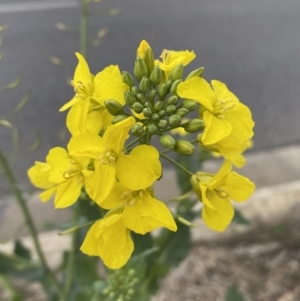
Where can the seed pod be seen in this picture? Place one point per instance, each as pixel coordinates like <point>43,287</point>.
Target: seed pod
<point>167,141</point>
<point>129,98</point>
<point>158,105</point>
<point>144,85</point>
<point>137,107</point>
<point>174,121</point>
<point>170,110</point>
<point>173,90</point>
<point>194,125</point>
<point>127,78</point>
<point>140,69</point>
<point>118,118</point>
<point>141,98</point>
<point>195,73</point>
<point>162,124</point>
<point>182,112</point>
<point>147,112</point>
<point>152,129</point>
<point>156,76</point>
<point>152,95</point>
<point>172,100</point>
<point>184,148</point>
<point>114,107</point>
<point>189,104</point>
<point>137,130</point>
<point>155,117</point>
<point>176,73</point>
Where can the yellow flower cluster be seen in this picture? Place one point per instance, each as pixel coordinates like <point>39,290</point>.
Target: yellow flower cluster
<point>120,177</point>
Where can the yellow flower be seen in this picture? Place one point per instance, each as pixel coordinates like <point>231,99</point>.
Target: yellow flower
<point>221,110</point>
<point>216,191</point>
<point>87,106</point>
<point>142,49</point>
<point>110,238</point>
<point>60,175</point>
<point>137,170</point>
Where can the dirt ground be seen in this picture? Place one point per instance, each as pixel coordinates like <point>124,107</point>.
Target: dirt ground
<point>264,264</point>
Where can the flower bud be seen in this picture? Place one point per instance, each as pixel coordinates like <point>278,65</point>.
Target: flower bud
<point>172,100</point>
<point>194,126</point>
<point>156,76</point>
<point>129,98</point>
<point>118,118</point>
<point>167,141</point>
<point>114,107</point>
<point>152,129</point>
<point>195,73</point>
<point>176,73</point>
<point>137,107</point>
<point>155,117</point>
<point>147,104</point>
<point>137,130</point>
<point>147,112</point>
<point>158,105</point>
<point>184,148</point>
<point>173,90</point>
<point>127,79</point>
<point>149,59</point>
<point>162,90</point>
<point>140,69</point>
<point>162,113</point>
<point>196,187</point>
<point>135,90</point>
<point>144,85</point>
<point>170,110</point>
<point>152,95</point>
<point>189,104</point>
<point>162,124</point>
<point>182,112</point>
<point>174,121</point>
<point>169,84</point>
<point>141,98</point>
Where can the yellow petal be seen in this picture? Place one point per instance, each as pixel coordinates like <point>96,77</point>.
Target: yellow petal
<point>220,219</point>
<point>148,214</point>
<point>198,89</point>
<point>117,196</point>
<point>135,172</point>
<point>76,118</point>
<point>215,129</point>
<point>94,121</point>
<point>221,177</point>
<point>91,241</point>
<point>47,194</point>
<point>142,48</point>
<point>151,154</point>
<point>76,99</point>
<point>39,175</point>
<point>222,92</point>
<point>171,58</point>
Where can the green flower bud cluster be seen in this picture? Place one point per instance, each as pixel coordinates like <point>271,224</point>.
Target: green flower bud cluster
<point>121,285</point>
<point>181,147</point>
<point>155,99</point>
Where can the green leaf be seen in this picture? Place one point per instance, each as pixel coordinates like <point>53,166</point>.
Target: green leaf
<point>238,218</point>
<point>233,294</point>
<point>21,250</point>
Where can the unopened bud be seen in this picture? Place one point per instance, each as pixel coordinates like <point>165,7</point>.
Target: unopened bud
<point>182,112</point>
<point>158,105</point>
<point>189,104</point>
<point>149,59</point>
<point>174,121</point>
<point>174,86</point>
<point>114,107</point>
<point>152,129</point>
<point>155,117</point>
<point>147,112</point>
<point>135,90</point>
<point>176,73</point>
<point>137,130</point>
<point>137,107</point>
<point>141,98</point>
<point>127,78</point>
<point>129,98</point>
<point>156,76</point>
<point>144,85</point>
<point>140,69</point>
<point>172,100</point>
<point>195,73</point>
<point>170,110</point>
<point>152,95</point>
<point>194,126</point>
<point>118,118</point>
<point>184,148</point>
<point>162,90</point>
<point>162,113</point>
<point>162,124</point>
<point>167,141</point>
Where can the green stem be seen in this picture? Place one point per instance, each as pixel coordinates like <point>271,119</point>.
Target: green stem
<point>176,164</point>
<point>28,219</point>
<point>180,197</point>
<point>84,27</point>
<point>134,141</point>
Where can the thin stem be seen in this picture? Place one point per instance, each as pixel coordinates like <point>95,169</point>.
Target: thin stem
<point>176,164</point>
<point>28,219</point>
<point>134,141</point>
<point>84,27</point>
<point>180,197</point>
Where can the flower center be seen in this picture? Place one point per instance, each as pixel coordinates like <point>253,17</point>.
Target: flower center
<point>130,197</point>
<point>222,193</point>
<point>109,157</point>
<point>81,90</point>
<point>222,106</point>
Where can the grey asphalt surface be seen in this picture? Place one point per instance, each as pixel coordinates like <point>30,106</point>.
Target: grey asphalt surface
<point>253,46</point>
